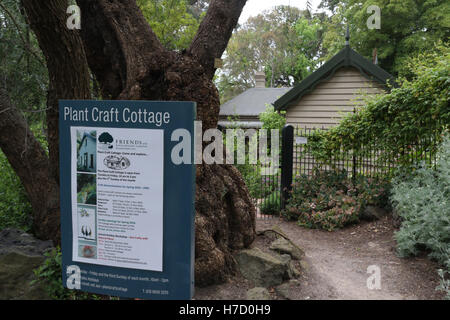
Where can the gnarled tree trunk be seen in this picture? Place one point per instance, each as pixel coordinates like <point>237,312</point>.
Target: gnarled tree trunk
<point>130,63</point>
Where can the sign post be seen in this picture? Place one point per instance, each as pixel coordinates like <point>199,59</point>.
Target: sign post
<point>127,211</point>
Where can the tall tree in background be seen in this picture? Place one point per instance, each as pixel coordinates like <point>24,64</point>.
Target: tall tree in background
<point>283,42</point>
<point>129,62</point>
<point>408,27</point>
<point>172,22</point>
<point>23,72</point>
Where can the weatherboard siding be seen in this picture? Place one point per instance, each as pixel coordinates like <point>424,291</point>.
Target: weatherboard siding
<point>331,99</point>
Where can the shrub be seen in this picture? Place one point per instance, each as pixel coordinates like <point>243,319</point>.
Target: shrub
<point>330,200</point>
<point>15,209</point>
<point>272,119</point>
<point>271,204</point>
<point>444,283</point>
<point>404,124</point>
<point>373,191</point>
<point>422,199</point>
<point>49,273</point>
<point>258,185</point>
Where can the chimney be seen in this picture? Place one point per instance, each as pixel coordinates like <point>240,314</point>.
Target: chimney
<point>260,80</point>
<point>375,56</point>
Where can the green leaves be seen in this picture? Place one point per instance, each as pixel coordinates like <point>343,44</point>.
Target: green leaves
<point>50,274</point>
<point>272,119</point>
<point>283,42</point>
<point>330,200</point>
<point>405,124</point>
<point>172,22</point>
<point>23,73</point>
<point>15,210</point>
<point>422,199</point>
<point>408,27</point>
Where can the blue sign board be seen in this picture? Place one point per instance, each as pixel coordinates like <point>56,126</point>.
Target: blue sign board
<point>127,209</point>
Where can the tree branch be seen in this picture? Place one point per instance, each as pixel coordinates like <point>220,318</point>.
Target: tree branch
<point>215,32</point>
<point>30,162</point>
<point>66,63</point>
<point>26,45</point>
<point>120,45</point>
<point>25,154</point>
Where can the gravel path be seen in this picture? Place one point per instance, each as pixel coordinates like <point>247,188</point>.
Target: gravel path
<point>335,266</point>
<point>337,262</point>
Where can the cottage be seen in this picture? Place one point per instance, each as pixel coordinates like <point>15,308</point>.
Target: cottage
<point>245,108</point>
<point>321,99</point>
<point>87,153</point>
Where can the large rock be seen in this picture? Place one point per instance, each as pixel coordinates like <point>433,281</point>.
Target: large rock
<point>283,246</point>
<point>20,254</point>
<point>289,290</point>
<point>258,293</point>
<point>263,269</point>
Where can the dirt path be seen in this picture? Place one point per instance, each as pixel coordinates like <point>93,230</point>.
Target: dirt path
<point>335,266</point>
<point>337,262</point>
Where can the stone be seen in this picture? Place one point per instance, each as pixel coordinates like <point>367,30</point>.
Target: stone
<point>263,269</point>
<point>304,265</point>
<point>292,270</point>
<point>258,293</point>
<point>287,290</point>
<point>294,273</point>
<point>372,213</point>
<point>283,246</point>
<point>20,254</point>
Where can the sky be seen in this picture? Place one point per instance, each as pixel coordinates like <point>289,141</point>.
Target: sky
<point>255,7</point>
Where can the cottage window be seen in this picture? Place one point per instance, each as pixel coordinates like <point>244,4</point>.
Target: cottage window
<point>92,161</point>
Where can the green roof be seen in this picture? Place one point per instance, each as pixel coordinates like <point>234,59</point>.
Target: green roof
<point>347,57</point>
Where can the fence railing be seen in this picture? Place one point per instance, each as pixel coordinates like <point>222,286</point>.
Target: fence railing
<point>367,160</point>
<point>270,193</point>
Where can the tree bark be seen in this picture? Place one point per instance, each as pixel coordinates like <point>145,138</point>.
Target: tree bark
<point>214,32</point>
<point>225,214</point>
<point>130,63</point>
<point>66,64</point>
<point>30,162</point>
<point>69,79</point>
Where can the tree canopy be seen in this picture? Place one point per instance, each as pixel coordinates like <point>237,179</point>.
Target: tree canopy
<point>22,68</point>
<point>175,22</point>
<point>408,27</point>
<point>283,42</point>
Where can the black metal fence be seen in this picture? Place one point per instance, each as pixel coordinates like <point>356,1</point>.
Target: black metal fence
<point>366,160</point>
<point>270,192</point>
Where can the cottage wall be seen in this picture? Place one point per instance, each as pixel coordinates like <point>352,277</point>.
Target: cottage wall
<point>88,146</point>
<point>331,99</point>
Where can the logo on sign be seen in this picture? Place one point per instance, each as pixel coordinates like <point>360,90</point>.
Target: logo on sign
<point>106,141</point>
<point>116,163</point>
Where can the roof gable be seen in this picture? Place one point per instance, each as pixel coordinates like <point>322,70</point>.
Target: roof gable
<point>347,57</point>
<point>84,137</point>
